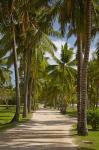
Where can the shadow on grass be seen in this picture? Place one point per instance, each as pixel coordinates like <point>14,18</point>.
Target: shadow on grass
<point>93,130</point>
<point>71,114</point>
<point>83,148</point>
<point>9,124</point>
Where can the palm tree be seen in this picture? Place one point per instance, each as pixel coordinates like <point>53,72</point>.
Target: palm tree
<point>8,29</point>
<point>84,96</point>
<point>62,75</point>
<point>66,56</point>
<point>33,30</point>
<point>71,16</point>
<point>17,114</point>
<point>74,18</point>
<point>93,82</point>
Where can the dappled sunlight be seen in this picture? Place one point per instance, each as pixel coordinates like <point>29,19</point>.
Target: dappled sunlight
<point>48,129</point>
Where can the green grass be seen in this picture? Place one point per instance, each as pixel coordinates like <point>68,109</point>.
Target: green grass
<point>92,138</point>
<point>72,112</point>
<point>90,142</point>
<point>6,116</point>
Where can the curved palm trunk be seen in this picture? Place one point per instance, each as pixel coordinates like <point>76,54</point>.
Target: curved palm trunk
<point>17,113</point>
<point>79,76</point>
<point>84,98</point>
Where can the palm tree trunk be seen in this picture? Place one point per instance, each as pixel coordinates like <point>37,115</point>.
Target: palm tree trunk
<point>17,113</point>
<point>63,109</point>
<point>25,84</point>
<point>29,94</point>
<point>79,73</point>
<point>33,93</point>
<point>84,98</point>
<point>97,95</point>
<point>25,109</point>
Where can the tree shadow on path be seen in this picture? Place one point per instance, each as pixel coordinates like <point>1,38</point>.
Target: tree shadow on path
<point>43,132</point>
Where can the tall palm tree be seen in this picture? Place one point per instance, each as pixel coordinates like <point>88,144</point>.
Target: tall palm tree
<point>84,96</point>
<point>62,74</point>
<point>72,16</point>
<point>83,31</point>
<point>34,26</point>
<point>66,56</point>
<point>8,29</point>
<point>93,82</point>
<point>17,114</point>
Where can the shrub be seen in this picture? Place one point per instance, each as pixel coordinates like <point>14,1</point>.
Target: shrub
<point>93,118</point>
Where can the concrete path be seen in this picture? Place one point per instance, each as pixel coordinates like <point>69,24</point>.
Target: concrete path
<point>47,130</point>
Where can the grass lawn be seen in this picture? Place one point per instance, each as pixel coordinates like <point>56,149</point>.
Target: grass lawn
<point>90,142</point>
<point>72,112</point>
<point>6,116</point>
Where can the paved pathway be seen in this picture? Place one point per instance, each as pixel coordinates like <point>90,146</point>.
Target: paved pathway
<point>47,130</point>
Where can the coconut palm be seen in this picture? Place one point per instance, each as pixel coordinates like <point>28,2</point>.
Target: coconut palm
<point>84,96</point>
<point>93,82</point>
<point>62,74</point>
<point>71,16</point>
<point>9,28</point>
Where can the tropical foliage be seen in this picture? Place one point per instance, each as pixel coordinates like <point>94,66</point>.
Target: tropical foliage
<point>26,28</point>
